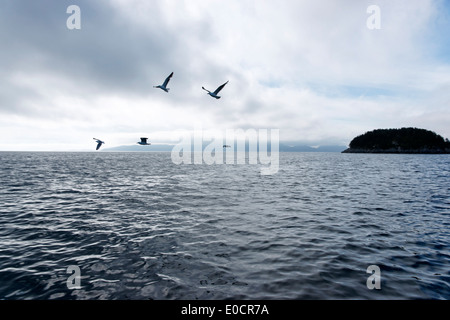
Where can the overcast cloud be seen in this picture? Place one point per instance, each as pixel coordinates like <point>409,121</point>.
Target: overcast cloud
<point>309,68</point>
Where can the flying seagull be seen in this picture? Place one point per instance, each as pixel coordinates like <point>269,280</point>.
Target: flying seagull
<point>164,85</point>
<point>214,94</point>
<point>99,143</point>
<point>144,142</point>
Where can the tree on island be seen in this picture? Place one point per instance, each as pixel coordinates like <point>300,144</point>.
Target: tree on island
<point>404,140</point>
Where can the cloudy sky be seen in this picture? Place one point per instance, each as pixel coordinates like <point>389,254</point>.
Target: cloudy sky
<point>312,69</point>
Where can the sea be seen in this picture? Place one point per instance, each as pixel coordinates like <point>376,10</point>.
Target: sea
<point>137,226</point>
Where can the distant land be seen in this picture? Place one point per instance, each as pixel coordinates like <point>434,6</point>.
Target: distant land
<point>403,140</point>
<point>168,148</point>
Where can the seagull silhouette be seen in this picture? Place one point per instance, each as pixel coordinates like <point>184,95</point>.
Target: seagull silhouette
<point>99,143</point>
<point>144,142</point>
<point>164,85</point>
<point>214,94</point>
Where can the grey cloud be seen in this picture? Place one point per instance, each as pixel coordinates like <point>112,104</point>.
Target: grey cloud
<point>109,53</point>
<point>122,52</point>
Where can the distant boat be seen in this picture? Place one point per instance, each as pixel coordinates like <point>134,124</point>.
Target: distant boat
<point>99,143</point>
<point>214,94</point>
<point>144,142</point>
<point>164,85</point>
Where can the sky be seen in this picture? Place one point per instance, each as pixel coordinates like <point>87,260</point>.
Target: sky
<point>315,70</point>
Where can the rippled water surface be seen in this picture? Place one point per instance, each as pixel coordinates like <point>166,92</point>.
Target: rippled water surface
<point>140,227</point>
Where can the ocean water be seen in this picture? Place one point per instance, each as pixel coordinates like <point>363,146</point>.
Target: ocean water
<point>137,226</point>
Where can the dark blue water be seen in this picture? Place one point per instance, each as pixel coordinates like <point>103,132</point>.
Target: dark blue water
<point>140,227</point>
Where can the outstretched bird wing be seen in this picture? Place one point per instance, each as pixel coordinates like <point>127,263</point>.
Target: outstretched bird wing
<point>167,80</point>
<point>99,145</point>
<point>220,88</point>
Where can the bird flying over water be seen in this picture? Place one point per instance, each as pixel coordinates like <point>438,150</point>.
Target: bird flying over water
<point>99,143</point>
<point>164,85</point>
<point>214,94</point>
<point>144,142</point>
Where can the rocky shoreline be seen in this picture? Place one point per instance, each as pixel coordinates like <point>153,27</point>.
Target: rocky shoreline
<point>403,140</point>
<point>399,151</point>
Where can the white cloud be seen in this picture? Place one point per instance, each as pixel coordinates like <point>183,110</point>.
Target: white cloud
<point>311,69</point>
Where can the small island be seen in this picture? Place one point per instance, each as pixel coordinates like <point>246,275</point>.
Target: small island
<point>404,140</point>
